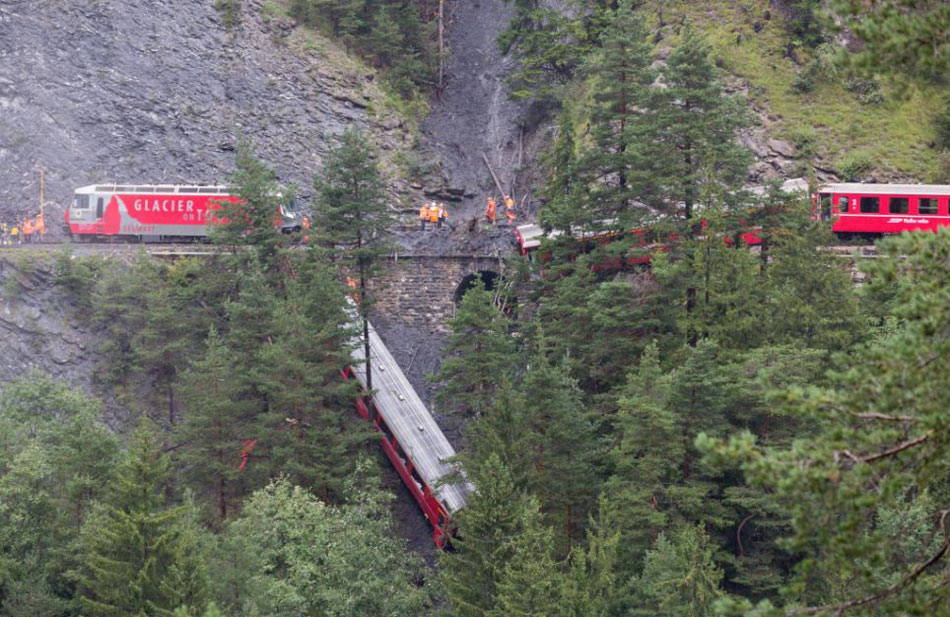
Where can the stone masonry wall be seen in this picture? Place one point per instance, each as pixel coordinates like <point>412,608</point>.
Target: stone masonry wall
<point>420,291</point>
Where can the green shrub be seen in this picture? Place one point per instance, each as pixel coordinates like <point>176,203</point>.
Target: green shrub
<point>77,276</point>
<point>805,141</point>
<point>942,124</point>
<point>854,164</point>
<point>868,91</point>
<point>229,11</point>
<point>820,68</point>
<point>941,172</point>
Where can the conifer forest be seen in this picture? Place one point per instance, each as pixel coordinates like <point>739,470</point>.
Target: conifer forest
<point>697,393</point>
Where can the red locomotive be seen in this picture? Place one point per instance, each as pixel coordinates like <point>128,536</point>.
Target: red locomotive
<point>155,212</point>
<point>872,210</point>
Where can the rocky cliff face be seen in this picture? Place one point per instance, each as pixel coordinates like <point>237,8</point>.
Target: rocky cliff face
<point>39,328</point>
<point>148,91</point>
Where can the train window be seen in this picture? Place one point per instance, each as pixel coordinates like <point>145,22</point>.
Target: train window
<point>125,189</point>
<point>899,205</point>
<point>187,189</point>
<point>99,207</point>
<point>842,204</point>
<point>82,202</point>
<point>927,205</point>
<point>163,189</point>
<point>870,205</point>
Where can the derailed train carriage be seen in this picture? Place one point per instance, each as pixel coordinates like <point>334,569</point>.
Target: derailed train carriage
<point>411,439</point>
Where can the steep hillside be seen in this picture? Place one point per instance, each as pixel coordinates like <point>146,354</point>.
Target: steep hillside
<point>162,91</point>
<point>824,112</point>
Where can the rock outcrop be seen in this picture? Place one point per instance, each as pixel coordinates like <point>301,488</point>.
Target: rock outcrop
<point>162,91</point>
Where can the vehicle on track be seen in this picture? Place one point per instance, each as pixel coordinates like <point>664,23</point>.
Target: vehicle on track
<point>156,212</point>
<point>870,211</point>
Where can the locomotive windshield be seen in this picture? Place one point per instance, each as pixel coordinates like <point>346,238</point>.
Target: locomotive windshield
<point>81,202</point>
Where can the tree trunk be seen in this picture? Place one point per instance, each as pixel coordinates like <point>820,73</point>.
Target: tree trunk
<point>692,337</point>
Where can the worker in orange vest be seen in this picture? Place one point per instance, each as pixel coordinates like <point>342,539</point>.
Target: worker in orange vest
<point>510,209</point>
<point>28,230</point>
<point>490,210</point>
<point>443,214</point>
<point>433,214</point>
<point>423,216</point>
<point>40,226</point>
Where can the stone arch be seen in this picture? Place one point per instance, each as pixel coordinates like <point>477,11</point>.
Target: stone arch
<point>490,278</point>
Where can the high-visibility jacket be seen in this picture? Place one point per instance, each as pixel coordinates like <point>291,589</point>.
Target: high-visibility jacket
<point>40,225</point>
<point>433,214</point>
<point>490,211</point>
<point>509,202</point>
<point>28,227</point>
<point>15,231</point>
<point>424,211</point>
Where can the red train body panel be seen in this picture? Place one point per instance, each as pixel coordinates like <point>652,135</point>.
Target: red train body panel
<point>432,508</point>
<point>879,209</point>
<point>155,211</point>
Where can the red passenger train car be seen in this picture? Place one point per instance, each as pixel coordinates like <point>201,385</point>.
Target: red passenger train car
<point>155,212</point>
<point>873,210</point>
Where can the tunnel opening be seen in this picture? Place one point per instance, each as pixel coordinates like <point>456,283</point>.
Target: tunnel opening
<point>489,278</point>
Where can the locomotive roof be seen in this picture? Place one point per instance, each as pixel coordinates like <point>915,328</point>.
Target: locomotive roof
<point>172,189</point>
<point>886,189</point>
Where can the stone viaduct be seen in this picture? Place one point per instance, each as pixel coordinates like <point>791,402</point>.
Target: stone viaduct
<point>423,291</point>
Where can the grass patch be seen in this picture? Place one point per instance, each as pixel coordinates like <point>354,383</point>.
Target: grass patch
<point>896,133</point>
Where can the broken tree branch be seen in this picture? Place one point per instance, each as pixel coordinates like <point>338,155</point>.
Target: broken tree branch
<point>494,177</point>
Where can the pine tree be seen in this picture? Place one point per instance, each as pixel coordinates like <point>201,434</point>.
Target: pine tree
<point>562,449</point>
<point>679,577</point>
<point>216,425</point>
<point>142,557</point>
<point>161,345</point>
<point>614,171</point>
<point>596,587</point>
<point>548,53</point>
<point>532,583</point>
<point>350,208</point>
<point>479,355</point>
<point>645,462</point>
<point>310,430</point>
<point>562,188</point>
<point>488,530</point>
<point>249,219</point>
<point>693,132</point>
<point>881,445</point>
<point>903,37</point>
<point>120,311</point>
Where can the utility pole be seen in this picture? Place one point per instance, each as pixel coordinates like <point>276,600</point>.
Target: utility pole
<point>41,195</point>
<point>441,45</point>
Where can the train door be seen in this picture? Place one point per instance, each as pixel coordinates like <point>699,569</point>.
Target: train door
<point>100,207</point>
<point>824,205</point>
